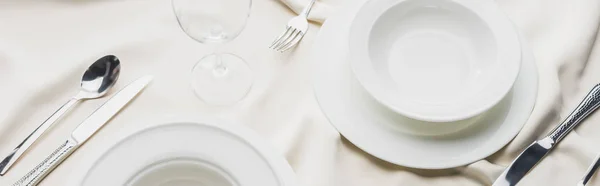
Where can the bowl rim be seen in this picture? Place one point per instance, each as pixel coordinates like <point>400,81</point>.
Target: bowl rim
<point>508,51</point>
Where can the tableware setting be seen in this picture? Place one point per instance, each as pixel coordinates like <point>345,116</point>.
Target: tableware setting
<point>84,131</point>
<point>452,81</point>
<point>188,153</point>
<point>95,83</point>
<point>424,85</point>
<point>447,142</point>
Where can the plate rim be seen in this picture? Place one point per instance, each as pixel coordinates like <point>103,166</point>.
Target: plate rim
<point>275,161</point>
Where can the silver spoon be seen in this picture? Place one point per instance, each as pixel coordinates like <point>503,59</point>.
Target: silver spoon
<point>96,81</point>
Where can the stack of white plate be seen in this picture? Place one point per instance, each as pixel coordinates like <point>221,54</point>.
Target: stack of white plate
<point>427,84</point>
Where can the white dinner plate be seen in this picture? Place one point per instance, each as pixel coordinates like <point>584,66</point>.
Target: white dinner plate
<point>434,60</point>
<point>191,154</point>
<point>385,134</point>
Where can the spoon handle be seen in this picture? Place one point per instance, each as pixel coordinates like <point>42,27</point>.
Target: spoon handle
<point>9,160</point>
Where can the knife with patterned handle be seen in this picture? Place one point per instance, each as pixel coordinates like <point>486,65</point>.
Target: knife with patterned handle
<point>539,149</point>
<point>43,169</point>
<point>84,131</point>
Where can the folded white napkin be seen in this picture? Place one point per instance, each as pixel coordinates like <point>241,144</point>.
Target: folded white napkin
<point>318,13</point>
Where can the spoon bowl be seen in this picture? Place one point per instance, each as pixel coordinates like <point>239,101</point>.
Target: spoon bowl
<point>100,77</point>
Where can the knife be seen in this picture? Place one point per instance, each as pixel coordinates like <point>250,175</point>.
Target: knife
<point>539,149</point>
<point>84,131</point>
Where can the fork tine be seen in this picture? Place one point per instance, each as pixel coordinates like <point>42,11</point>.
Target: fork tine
<point>287,29</point>
<point>278,40</point>
<point>287,40</point>
<point>294,42</point>
<point>286,35</point>
<point>290,42</point>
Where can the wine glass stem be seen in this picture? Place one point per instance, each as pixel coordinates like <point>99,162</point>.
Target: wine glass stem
<point>220,68</point>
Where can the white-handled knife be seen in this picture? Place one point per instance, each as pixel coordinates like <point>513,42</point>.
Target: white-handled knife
<point>84,131</point>
<point>539,149</point>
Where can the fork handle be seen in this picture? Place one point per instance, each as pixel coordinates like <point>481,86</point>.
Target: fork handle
<point>307,9</point>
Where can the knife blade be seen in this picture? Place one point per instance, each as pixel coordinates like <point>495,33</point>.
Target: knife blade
<point>84,131</point>
<point>95,121</point>
<point>535,152</point>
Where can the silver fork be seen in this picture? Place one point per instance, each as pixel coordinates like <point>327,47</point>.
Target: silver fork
<point>294,31</point>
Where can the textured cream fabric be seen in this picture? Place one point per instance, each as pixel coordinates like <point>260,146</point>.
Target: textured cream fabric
<point>45,47</point>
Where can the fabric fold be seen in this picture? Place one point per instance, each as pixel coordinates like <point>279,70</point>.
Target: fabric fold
<point>319,12</point>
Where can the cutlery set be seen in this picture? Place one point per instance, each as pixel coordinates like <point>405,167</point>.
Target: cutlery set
<point>84,131</point>
<point>96,82</point>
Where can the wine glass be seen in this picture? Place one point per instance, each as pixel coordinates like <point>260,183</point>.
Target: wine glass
<point>218,78</point>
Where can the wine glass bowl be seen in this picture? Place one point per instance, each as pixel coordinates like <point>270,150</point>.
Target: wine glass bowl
<point>212,21</point>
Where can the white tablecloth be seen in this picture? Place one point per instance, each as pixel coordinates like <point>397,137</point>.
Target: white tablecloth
<point>46,46</point>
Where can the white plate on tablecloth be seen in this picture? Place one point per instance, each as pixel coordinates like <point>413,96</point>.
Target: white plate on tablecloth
<point>383,133</point>
<point>191,154</point>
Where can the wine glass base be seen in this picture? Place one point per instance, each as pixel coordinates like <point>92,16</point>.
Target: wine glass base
<point>221,83</point>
